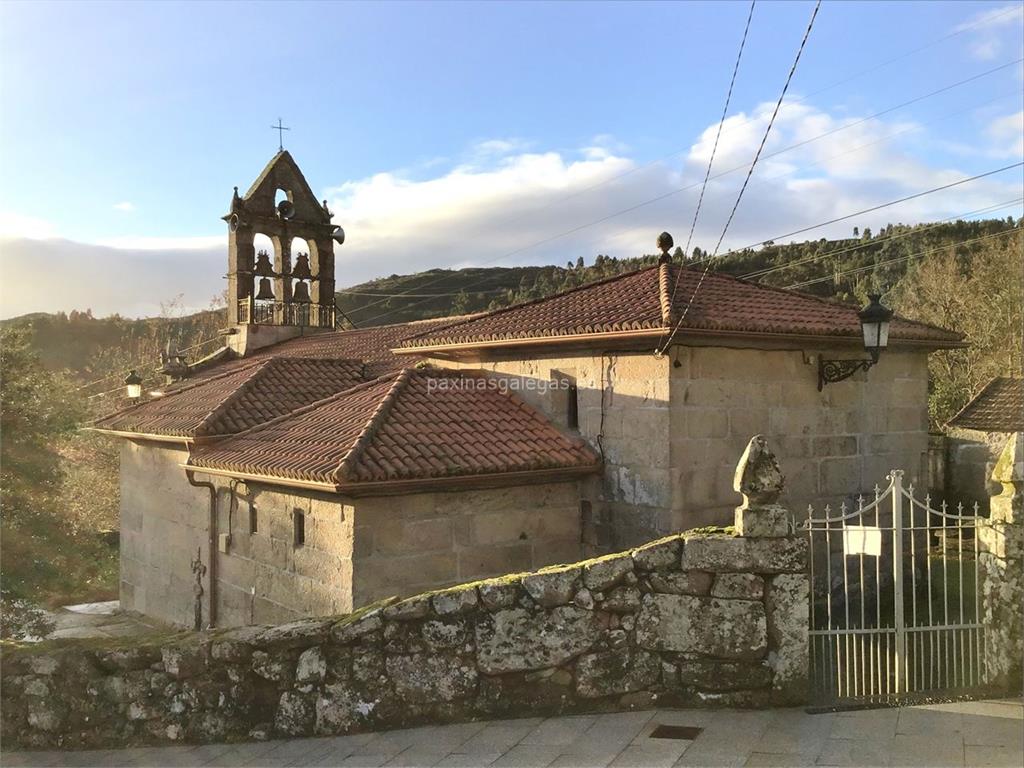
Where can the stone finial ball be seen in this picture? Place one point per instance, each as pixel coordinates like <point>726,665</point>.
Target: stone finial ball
<point>665,242</point>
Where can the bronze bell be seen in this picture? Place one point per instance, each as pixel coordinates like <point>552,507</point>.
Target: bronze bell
<point>263,265</point>
<point>301,293</point>
<point>301,269</point>
<point>265,291</point>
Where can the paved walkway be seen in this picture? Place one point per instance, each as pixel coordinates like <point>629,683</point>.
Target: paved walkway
<point>100,620</point>
<point>984,733</point>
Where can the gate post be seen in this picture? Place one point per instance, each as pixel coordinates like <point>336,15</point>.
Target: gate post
<point>897,580</point>
<point>1001,566</point>
<point>767,525</point>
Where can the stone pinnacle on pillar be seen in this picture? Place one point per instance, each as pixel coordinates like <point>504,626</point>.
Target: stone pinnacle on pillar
<point>760,481</point>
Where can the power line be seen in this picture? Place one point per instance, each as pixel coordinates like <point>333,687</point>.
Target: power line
<point>915,231</point>
<point>714,148</point>
<point>903,258</point>
<point>743,188</point>
<point>676,191</point>
<point>793,102</point>
<point>418,295</point>
<point>883,205</point>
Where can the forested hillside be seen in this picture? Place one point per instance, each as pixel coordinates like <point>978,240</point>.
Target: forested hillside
<point>844,269</point>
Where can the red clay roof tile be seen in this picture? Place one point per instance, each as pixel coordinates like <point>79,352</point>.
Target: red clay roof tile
<point>241,398</point>
<point>415,425</point>
<point>642,300</point>
<point>237,394</point>
<point>998,407</point>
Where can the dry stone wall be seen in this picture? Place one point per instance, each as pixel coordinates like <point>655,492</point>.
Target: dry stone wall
<point>700,618</point>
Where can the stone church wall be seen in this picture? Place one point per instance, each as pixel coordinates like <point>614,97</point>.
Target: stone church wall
<point>262,577</point>
<point>693,619</point>
<point>834,444</point>
<point>164,524</point>
<point>670,434</point>
<point>415,542</point>
<point>354,551</point>
<point>631,502</point>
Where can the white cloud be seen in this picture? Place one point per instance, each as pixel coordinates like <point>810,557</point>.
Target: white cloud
<point>165,243</point>
<point>17,225</point>
<point>991,30</point>
<point>126,207</point>
<point>1008,134</point>
<point>106,280</point>
<point>522,206</point>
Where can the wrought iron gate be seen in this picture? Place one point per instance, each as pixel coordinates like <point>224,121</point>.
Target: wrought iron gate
<point>894,599</point>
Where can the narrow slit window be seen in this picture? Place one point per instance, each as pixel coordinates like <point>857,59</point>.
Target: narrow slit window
<point>298,528</point>
<point>572,406</point>
<point>254,519</point>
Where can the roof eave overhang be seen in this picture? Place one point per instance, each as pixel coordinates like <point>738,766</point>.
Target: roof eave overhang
<point>183,439</point>
<point>975,427</point>
<point>588,339</point>
<point>399,487</point>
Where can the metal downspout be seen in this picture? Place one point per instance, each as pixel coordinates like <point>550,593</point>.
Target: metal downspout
<point>190,475</point>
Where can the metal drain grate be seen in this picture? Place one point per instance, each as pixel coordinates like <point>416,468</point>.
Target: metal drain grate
<point>682,732</point>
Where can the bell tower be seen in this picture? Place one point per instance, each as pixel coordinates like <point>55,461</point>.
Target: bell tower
<point>273,292</point>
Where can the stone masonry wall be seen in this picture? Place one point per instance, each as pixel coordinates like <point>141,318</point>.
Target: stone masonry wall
<point>693,619</point>
<point>261,577</point>
<point>164,524</point>
<point>355,550</point>
<point>417,542</point>
<point>629,424</point>
<point>834,444</point>
<point>1001,563</point>
<point>670,433</point>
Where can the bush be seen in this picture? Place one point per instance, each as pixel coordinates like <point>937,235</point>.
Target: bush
<point>22,620</point>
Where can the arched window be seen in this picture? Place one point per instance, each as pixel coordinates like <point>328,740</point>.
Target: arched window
<point>263,292</point>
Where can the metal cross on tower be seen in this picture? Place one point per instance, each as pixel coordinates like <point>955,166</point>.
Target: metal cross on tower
<point>280,133</point>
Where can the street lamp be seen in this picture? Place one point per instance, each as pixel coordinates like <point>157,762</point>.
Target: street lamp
<point>874,326</point>
<point>133,383</point>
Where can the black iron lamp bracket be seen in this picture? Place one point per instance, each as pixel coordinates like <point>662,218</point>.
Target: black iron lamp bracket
<point>831,371</point>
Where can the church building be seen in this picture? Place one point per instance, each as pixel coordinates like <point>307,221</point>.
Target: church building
<point>303,470</point>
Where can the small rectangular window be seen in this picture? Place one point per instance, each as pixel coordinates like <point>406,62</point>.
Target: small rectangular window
<point>298,528</point>
<point>254,519</point>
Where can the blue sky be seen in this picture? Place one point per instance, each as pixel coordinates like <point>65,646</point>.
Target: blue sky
<point>451,134</point>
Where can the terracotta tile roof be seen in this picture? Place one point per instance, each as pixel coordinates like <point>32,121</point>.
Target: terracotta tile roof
<point>417,425</point>
<point>642,301</point>
<point>251,393</point>
<point>203,403</point>
<point>998,407</point>
<point>371,345</point>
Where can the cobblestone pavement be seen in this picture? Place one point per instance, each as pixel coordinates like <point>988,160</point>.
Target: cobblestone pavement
<point>980,733</point>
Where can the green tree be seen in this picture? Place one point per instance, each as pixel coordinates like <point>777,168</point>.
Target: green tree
<point>978,291</point>
<point>44,555</point>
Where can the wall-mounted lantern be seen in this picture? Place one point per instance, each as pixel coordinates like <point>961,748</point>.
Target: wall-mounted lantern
<point>133,385</point>
<point>874,325</point>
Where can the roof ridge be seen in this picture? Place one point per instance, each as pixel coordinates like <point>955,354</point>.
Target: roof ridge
<point>348,461</point>
<point>664,297</point>
<point>231,397</point>
<point>531,302</point>
<point>303,409</point>
<point>819,299</point>
<point>180,390</point>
